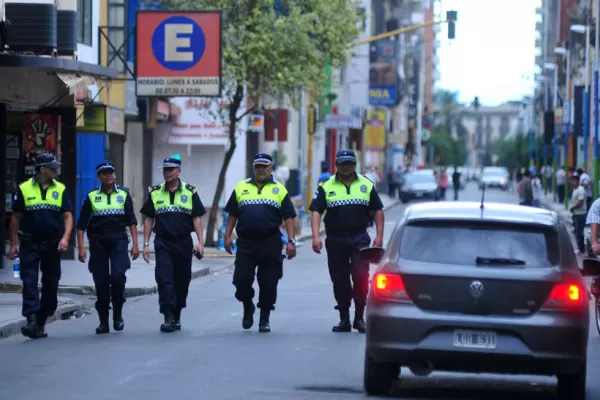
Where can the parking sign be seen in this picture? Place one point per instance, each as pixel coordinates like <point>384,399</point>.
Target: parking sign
<point>178,53</point>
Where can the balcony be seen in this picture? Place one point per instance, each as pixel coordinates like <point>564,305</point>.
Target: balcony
<point>539,26</point>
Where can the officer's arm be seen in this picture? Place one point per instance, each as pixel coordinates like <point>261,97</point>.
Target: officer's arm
<point>376,205</point>
<point>198,211</point>
<point>149,212</point>
<point>18,208</point>
<point>593,219</point>
<point>84,218</point>
<point>233,210</point>
<point>67,210</point>
<point>131,221</point>
<point>318,207</point>
<point>288,213</point>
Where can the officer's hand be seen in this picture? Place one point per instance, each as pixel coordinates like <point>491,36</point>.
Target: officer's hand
<point>146,254</point>
<point>317,245</point>
<point>290,251</point>
<point>199,249</point>
<point>82,254</point>
<point>135,252</point>
<point>63,245</point>
<point>596,248</point>
<point>378,242</point>
<point>12,253</point>
<point>228,245</point>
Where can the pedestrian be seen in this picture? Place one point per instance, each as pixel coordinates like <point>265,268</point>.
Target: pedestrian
<point>106,213</point>
<point>257,206</point>
<point>578,208</point>
<point>525,189</point>
<point>456,182</point>
<point>42,218</point>
<point>175,210</point>
<point>348,198</point>
<point>561,179</point>
<point>536,191</point>
<point>443,185</point>
<point>586,181</point>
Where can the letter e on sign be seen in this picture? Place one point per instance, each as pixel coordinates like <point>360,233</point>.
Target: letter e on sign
<point>178,53</point>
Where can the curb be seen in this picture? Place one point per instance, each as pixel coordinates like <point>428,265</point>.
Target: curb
<point>62,313</point>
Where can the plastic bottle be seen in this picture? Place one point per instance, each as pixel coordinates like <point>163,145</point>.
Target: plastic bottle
<point>17,267</point>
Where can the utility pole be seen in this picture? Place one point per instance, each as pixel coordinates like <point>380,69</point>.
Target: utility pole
<point>312,124</point>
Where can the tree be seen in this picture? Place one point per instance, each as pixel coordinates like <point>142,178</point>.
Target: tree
<point>446,149</point>
<point>512,152</point>
<point>274,48</point>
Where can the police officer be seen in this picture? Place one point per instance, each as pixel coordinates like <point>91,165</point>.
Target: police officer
<point>258,205</point>
<point>106,213</point>
<point>175,209</point>
<point>349,199</point>
<point>44,213</point>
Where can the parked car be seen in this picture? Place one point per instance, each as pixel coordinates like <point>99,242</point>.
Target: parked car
<point>484,290</point>
<point>494,177</point>
<point>418,185</point>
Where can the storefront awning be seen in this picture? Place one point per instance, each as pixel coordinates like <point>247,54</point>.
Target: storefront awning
<point>75,82</point>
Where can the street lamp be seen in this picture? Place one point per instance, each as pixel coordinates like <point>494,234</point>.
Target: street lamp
<point>564,52</point>
<point>586,93</point>
<point>554,67</point>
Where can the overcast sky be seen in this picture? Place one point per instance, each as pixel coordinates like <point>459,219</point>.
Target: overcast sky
<point>493,54</point>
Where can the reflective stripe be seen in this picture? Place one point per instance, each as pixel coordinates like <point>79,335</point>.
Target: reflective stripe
<point>174,209</point>
<point>98,213</point>
<point>42,206</point>
<point>356,202</point>
<point>267,202</point>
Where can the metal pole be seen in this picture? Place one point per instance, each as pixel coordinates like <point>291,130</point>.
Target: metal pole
<point>596,62</point>
<point>554,141</point>
<point>567,120</point>
<point>301,172</point>
<point>311,136</point>
<point>586,92</point>
<point>530,122</point>
<point>276,139</point>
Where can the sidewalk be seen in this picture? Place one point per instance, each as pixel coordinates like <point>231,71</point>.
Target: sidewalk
<point>77,280</point>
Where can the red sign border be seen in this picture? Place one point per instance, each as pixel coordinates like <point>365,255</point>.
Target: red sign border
<point>174,13</point>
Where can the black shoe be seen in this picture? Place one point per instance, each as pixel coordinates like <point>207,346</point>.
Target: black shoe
<point>344,325</point>
<point>177,319</point>
<point>248,318</point>
<point>118,323</point>
<point>103,328</point>
<point>169,325</point>
<point>263,323</point>
<point>31,329</point>
<point>359,322</point>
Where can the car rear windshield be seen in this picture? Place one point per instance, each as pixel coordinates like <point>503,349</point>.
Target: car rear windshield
<point>463,243</point>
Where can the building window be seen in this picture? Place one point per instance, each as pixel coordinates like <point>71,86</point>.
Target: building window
<point>84,22</point>
<point>118,34</point>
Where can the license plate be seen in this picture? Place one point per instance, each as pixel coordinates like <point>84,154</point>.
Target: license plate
<point>419,194</point>
<point>474,339</point>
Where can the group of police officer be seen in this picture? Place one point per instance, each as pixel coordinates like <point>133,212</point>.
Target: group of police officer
<point>42,223</point>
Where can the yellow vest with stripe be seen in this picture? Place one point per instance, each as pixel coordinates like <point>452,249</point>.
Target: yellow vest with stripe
<point>182,203</point>
<point>101,206</point>
<point>272,194</point>
<point>337,195</point>
<point>32,196</point>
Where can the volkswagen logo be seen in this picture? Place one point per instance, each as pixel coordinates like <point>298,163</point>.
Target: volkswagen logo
<point>476,289</point>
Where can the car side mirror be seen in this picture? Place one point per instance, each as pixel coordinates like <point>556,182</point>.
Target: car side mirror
<point>591,267</point>
<point>372,255</point>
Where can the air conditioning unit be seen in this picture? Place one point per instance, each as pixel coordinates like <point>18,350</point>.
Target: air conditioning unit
<point>66,28</point>
<point>30,26</point>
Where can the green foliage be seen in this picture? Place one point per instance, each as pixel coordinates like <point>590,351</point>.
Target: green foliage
<point>446,149</point>
<point>513,152</point>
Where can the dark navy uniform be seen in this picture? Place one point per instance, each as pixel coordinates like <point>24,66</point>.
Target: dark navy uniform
<point>41,228</point>
<point>106,216</point>
<point>173,214</point>
<point>349,213</point>
<point>259,212</point>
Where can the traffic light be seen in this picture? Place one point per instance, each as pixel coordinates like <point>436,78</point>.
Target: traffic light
<point>451,18</point>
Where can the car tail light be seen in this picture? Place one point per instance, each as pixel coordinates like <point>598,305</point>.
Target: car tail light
<point>567,296</point>
<point>389,286</point>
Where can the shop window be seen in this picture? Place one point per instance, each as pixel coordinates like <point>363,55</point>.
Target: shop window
<point>117,33</point>
<point>84,22</point>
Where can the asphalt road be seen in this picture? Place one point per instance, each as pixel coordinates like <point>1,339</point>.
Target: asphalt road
<point>213,358</point>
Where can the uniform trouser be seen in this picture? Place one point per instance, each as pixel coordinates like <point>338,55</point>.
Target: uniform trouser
<point>109,261</point>
<point>344,263</point>
<point>264,254</point>
<point>173,270</point>
<point>36,257</point>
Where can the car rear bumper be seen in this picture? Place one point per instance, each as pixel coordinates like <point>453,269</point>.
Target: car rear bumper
<point>418,195</point>
<point>543,344</point>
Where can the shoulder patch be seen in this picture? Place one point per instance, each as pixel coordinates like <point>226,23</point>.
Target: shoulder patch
<point>320,184</point>
<point>153,188</point>
<point>93,190</point>
<point>190,188</point>
<point>123,188</point>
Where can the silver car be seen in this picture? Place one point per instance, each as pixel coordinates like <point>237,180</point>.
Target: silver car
<point>469,289</point>
<point>495,178</point>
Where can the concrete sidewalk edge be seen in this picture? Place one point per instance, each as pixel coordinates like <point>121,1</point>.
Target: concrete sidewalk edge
<point>64,311</point>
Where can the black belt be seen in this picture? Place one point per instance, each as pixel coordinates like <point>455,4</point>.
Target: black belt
<point>346,232</point>
<point>259,235</point>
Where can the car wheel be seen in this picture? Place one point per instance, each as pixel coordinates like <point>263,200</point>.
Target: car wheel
<point>572,387</point>
<point>379,378</point>
<point>404,200</point>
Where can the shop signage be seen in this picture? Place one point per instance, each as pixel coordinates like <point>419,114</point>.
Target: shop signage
<point>163,110</point>
<point>178,53</point>
<point>100,118</point>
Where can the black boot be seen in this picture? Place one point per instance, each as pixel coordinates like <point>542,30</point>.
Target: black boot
<point>169,325</point>
<point>263,323</point>
<point>118,323</point>
<point>103,327</point>
<point>31,329</point>
<point>248,318</point>
<point>177,318</point>
<point>344,325</point>
<point>359,321</point>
